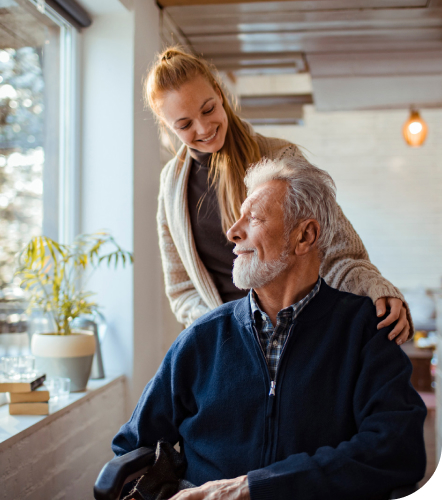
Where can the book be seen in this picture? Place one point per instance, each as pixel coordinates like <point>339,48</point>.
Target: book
<point>28,408</point>
<point>20,386</point>
<point>40,394</point>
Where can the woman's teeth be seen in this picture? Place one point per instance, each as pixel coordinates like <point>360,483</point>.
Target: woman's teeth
<point>209,138</point>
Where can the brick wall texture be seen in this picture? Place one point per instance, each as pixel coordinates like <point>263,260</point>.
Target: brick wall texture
<point>391,193</point>
<point>61,460</point>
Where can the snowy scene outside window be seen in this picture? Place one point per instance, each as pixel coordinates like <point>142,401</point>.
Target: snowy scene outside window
<point>31,77</point>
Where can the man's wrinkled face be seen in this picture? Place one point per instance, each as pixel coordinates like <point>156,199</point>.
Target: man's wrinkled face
<point>259,235</point>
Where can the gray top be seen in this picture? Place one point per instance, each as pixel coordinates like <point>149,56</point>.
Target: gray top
<point>213,247</point>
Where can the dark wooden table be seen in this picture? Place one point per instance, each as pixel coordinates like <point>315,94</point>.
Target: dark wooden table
<point>421,361</point>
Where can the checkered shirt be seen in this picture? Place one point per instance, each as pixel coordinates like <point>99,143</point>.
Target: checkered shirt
<point>272,340</point>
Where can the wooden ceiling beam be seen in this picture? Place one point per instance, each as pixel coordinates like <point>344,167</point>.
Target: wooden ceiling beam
<point>207,49</point>
<point>375,64</point>
<point>219,7</point>
<point>257,63</point>
<point>324,36</point>
<point>378,17</point>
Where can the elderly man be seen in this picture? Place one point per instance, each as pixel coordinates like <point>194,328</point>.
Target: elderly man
<point>291,392</point>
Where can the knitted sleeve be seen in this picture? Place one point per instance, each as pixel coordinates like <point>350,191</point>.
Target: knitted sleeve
<point>346,265</point>
<point>185,301</point>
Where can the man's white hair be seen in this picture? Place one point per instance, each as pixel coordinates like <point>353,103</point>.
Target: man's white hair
<point>311,193</point>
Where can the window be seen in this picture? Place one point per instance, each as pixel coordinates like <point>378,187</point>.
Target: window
<point>36,137</point>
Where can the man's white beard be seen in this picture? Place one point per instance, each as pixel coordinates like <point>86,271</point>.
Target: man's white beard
<point>251,272</point>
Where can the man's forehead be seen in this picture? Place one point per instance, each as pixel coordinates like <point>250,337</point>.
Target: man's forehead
<point>263,197</point>
<point>252,202</point>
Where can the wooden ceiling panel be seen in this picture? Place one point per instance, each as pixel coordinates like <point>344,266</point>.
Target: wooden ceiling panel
<point>375,64</point>
<point>359,52</point>
<point>207,49</point>
<point>311,21</point>
<point>217,7</point>
<point>348,93</point>
<point>257,63</point>
<point>324,37</point>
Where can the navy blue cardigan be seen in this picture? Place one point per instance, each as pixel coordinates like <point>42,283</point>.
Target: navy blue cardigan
<point>345,422</point>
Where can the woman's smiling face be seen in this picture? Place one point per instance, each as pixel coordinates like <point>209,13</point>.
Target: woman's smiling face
<point>195,113</point>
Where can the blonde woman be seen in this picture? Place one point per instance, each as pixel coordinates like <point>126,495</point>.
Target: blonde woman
<point>202,190</point>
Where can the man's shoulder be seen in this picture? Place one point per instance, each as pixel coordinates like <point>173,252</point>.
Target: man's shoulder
<point>356,304</point>
<point>336,306</point>
<point>221,314</point>
<point>219,321</point>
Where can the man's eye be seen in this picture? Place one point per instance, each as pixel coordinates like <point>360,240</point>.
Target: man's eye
<point>209,110</point>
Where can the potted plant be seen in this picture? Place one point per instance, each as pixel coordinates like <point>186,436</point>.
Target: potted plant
<point>54,276</point>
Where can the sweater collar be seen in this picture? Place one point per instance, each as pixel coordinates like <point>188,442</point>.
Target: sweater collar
<point>324,301</point>
<point>202,158</point>
<point>294,310</point>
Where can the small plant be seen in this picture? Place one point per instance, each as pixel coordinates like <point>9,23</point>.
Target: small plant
<point>53,274</point>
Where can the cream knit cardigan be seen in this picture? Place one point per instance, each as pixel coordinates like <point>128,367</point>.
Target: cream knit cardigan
<point>189,286</point>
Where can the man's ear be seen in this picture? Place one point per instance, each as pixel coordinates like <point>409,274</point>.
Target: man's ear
<point>307,236</point>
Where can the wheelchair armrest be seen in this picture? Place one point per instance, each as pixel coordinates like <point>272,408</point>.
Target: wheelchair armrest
<point>403,491</point>
<point>121,470</point>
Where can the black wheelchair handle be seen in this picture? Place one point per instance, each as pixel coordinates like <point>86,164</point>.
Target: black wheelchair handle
<point>121,470</point>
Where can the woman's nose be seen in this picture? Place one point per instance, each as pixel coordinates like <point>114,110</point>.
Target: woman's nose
<point>202,128</point>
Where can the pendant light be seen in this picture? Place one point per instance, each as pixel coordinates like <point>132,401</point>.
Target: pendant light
<point>415,129</point>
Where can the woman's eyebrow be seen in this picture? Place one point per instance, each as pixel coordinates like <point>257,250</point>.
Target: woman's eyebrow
<point>202,106</point>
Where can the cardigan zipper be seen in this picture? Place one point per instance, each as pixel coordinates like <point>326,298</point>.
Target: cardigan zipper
<point>273,383</point>
<point>269,440</point>
<point>272,391</point>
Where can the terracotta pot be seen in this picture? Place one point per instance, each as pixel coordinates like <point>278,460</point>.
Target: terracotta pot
<point>65,356</point>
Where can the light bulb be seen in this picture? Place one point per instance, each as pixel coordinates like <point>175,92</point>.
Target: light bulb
<point>415,130</point>
<point>415,127</point>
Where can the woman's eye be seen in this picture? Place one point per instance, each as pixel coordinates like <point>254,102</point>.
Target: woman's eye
<point>185,126</point>
<point>209,110</point>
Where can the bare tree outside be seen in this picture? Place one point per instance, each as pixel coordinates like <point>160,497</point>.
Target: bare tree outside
<point>29,134</point>
<point>21,153</point>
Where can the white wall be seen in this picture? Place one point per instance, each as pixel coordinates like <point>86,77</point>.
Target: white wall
<point>120,182</point>
<point>391,193</point>
<point>107,167</point>
<point>148,281</point>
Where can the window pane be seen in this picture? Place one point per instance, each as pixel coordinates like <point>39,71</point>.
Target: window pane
<point>29,82</point>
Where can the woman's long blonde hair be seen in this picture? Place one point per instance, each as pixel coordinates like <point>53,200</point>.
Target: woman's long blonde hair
<point>228,166</point>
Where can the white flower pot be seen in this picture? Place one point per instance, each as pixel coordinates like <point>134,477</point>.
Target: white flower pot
<point>65,356</point>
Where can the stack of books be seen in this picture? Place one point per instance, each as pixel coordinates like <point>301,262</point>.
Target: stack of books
<point>27,398</point>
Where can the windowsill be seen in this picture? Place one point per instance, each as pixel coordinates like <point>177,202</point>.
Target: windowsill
<point>14,428</point>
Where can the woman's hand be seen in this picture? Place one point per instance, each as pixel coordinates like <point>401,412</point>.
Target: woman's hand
<point>397,312</point>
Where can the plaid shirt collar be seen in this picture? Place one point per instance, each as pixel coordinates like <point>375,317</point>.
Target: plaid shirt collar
<point>272,338</point>
<point>290,312</point>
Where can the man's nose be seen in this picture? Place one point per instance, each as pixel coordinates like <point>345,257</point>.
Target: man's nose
<point>235,233</point>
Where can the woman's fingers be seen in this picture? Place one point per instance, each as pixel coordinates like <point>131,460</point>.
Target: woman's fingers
<point>395,310</point>
<point>397,313</point>
<point>403,336</point>
<point>402,329</point>
<point>381,306</point>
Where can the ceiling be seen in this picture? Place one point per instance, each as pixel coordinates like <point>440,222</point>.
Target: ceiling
<point>361,54</point>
